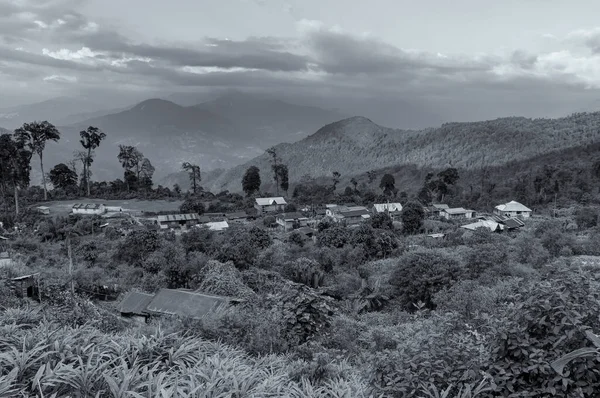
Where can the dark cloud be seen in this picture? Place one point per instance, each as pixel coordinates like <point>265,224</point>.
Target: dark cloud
<point>61,46</point>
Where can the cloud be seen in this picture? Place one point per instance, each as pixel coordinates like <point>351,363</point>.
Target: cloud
<point>60,79</point>
<point>59,44</point>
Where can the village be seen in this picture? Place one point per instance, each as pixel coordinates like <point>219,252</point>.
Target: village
<point>271,214</point>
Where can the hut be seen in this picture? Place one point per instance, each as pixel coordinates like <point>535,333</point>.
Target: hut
<point>134,306</point>
<point>26,285</point>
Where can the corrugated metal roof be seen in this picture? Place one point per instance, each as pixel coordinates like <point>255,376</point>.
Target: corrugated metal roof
<point>491,225</point>
<point>354,213</point>
<point>512,206</point>
<point>184,303</point>
<point>217,225</point>
<point>178,217</point>
<point>135,303</point>
<point>458,210</point>
<point>279,200</point>
<point>291,216</point>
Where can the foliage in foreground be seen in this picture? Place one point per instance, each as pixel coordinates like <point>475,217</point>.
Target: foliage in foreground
<point>52,361</point>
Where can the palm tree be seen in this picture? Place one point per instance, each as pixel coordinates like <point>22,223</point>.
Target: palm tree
<point>35,135</point>
<point>194,172</point>
<point>90,140</point>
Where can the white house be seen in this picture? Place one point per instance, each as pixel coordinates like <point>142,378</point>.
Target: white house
<point>456,213</point>
<point>392,209</point>
<point>290,220</point>
<point>352,215</point>
<point>513,209</point>
<point>88,208</point>
<point>270,205</point>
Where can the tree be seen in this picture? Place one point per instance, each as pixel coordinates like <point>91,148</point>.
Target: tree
<point>354,183</point>
<point>15,165</point>
<point>62,176</point>
<point>283,178</point>
<point>130,158</point>
<point>35,135</point>
<point>280,171</point>
<point>371,176</point>
<point>192,205</point>
<point>146,174</point>
<point>90,140</point>
<point>251,180</point>
<point>387,184</point>
<point>336,179</point>
<point>194,173</point>
<point>449,176</point>
<point>412,217</point>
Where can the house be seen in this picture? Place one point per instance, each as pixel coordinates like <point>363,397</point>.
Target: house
<point>489,224</point>
<point>215,216</point>
<point>239,217</point>
<point>178,220</point>
<point>113,209</point>
<point>352,216</point>
<point>391,209</point>
<point>43,210</point>
<point>270,205</point>
<point>26,285</point>
<point>185,303</point>
<point>217,226</point>
<point>89,208</point>
<point>291,221</point>
<point>509,223</point>
<point>513,209</point>
<point>457,213</point>
<point>134,306</point>
<point>436,209</point>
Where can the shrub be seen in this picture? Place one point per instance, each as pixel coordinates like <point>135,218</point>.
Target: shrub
<point>421,274</point>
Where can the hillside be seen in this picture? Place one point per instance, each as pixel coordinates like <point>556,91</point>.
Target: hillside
<point>357,145</point>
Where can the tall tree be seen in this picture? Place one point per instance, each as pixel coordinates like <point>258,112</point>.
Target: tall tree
<point>15,165</point>
<point>251,180</point>
<point>275,167</point>
<point>34,136</point>
<point>90,140</point>
<point>194,173</point>
<point>336,179</point>
<point>284,182</point>
<point>130,158</point>
<point>146,174</point>
<point>62,176</point>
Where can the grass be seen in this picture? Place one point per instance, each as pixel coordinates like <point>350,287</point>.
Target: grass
<point>51,361</point>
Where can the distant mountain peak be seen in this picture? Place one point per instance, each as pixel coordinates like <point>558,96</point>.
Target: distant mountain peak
<point>153,104</point>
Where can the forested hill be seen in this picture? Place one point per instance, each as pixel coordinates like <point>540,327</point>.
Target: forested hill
<point>356,145</point>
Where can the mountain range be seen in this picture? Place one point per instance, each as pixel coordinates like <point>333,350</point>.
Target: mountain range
<point>356,145</point>
<point>220,133</point>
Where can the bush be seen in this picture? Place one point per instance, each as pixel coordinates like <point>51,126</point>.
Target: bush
<point>421,274</point>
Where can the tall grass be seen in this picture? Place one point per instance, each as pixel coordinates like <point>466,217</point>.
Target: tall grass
<point>52,361</point>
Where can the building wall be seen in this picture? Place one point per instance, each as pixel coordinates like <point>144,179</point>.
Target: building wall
<point>269,208</point>
<point>524,214</point>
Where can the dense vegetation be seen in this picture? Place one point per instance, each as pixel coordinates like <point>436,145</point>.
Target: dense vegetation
<point>367,311</point>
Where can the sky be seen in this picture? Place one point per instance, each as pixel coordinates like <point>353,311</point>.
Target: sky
<point>463,59</point>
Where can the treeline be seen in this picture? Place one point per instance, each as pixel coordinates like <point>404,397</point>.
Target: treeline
<point>73,178</point>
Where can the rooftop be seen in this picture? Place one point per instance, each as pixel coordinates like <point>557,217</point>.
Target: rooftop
<point>279,200</point>
<point>184,303</point>
<point>135,303</point>
<point>512,206</point>
<point>179,217</point>
<point>87,206</point>
<point>382,207</point>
